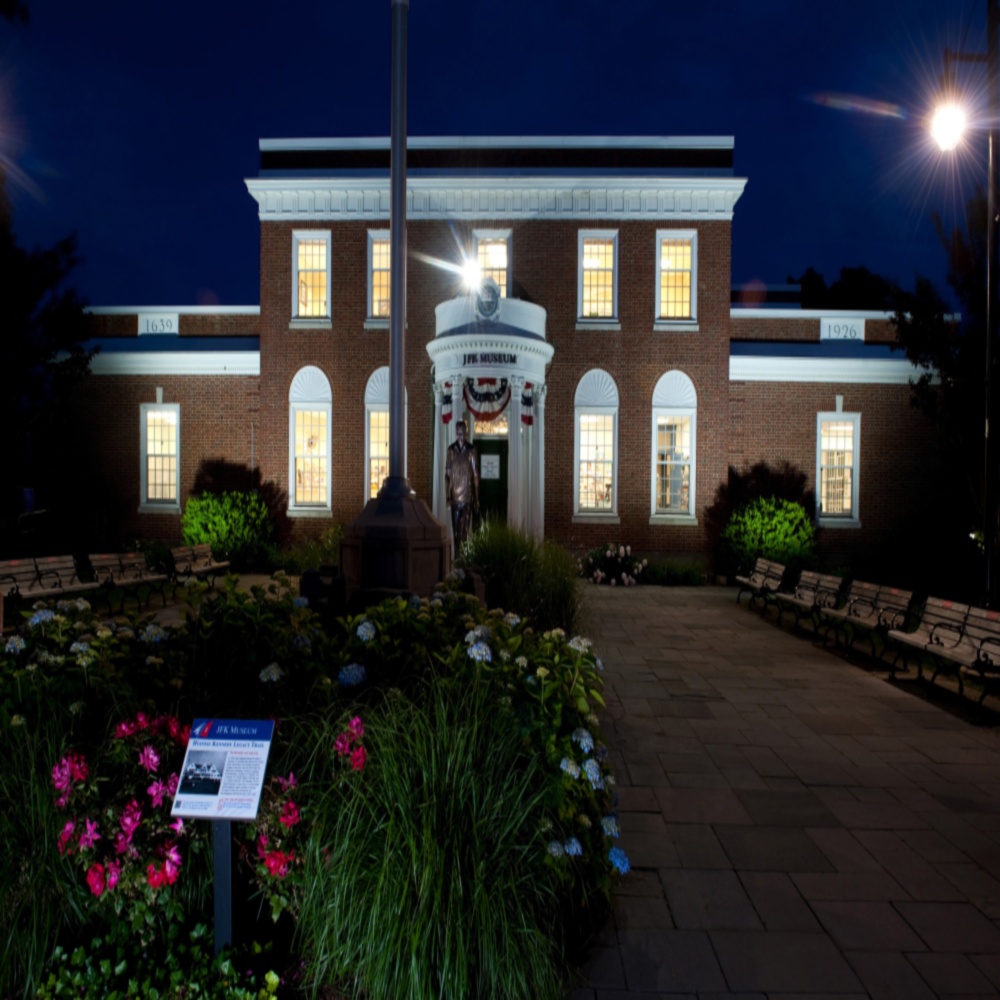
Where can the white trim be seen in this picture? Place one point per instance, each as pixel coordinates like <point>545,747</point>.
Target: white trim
<point>856,371</point>
<point>608,198</point>
<point>147,506</point>
<point>175,363</point>
<point>602,235</point>
<point>380,235</point>
<point>834,520</point>
<point>506,142</point>
<point>299,236</point>
<point>794,313</point>
<point>183,310</point>
<point>661,322</point>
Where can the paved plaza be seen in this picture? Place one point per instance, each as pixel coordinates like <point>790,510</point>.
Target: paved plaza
<point>797,826</point>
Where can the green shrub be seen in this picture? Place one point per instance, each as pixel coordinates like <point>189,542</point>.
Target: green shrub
<point>773,529</point>
<point>312,553</point>
<point>522,575</point>
<point>614,565</point>
<point>674,574</point>
<point>236,524</point>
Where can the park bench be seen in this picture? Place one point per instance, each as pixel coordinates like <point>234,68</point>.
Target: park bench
<point>813,593</point>
<point>193,562</point>
<point>48,577</point>
<point>871,610</point>
<point>127,573</point>
<point>761,583</point>
<point>983,628</point>
<point>940,635</point>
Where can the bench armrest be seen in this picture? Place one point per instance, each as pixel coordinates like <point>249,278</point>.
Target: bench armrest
<point>954,638</point>
<point>892,618</point>
<point>861,607</point>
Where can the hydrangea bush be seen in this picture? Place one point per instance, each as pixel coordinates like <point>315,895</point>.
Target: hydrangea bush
<point>612,564</point>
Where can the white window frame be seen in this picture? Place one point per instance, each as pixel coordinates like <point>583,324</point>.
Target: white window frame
<point>496,234</point>
<point>377,401</point>
<point>596,394</point>
<point>372,321</point>
<point>668,323</point>
<point>147,506</point>
<point>852,520</point>
<point>597,322</point>
<point>674,396</point>
<point>310,392</point>
<point>299,236</point>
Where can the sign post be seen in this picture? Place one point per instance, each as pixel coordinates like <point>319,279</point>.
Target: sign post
<point>221,780</point>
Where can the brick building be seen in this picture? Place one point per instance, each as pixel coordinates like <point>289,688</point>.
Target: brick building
<point>608,380</point>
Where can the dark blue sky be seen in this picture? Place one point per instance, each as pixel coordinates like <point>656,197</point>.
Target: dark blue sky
<point>134,124</point>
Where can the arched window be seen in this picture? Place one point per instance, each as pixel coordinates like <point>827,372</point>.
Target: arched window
<point>310,404</point>
<point>595,445</point>
<point>675,418</point>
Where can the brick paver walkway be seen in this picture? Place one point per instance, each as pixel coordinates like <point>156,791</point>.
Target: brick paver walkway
<point>797,827</point>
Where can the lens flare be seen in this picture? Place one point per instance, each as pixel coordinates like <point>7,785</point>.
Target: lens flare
<point>948,126</point>
<point>861,105</point>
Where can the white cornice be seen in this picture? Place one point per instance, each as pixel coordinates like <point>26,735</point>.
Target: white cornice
<point>176,363</point>
<point>794,313</point>
<point>367,198</point>
<point>854,371</point>
<point>508,142</point>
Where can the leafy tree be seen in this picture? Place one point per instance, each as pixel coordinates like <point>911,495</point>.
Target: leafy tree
<point>856,288</point>
<point>44,326</point>
<point>14,10</point>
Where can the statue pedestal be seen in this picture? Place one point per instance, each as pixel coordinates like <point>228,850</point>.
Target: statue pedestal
<point>395,547</point>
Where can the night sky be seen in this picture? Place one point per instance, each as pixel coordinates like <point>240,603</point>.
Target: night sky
<point>134,124</point>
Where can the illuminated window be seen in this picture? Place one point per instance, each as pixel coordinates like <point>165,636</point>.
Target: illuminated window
<point>377,431</point>
<point>676,260</point>
<point>499,427</point>
<point>837,438</point>
<point>160,458</point>
<point>598,275</point>
<point>595,486</point>
<point>675,414</point>
<point>309,443</point>
<point>493,256</point>
<point>378,450</point>
<point>378,275</point>
<point>310,275</point>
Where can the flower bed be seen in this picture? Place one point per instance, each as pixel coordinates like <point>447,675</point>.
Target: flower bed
<point>427,741</point>
<point>612,564</point>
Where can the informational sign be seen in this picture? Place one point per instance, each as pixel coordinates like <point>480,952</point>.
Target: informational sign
<point>841,329</point>
<point>159,322</point>
<point>223,771</point>
<point>489,467</point>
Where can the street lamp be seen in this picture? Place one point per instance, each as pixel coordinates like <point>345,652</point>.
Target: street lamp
<point>947,128</point>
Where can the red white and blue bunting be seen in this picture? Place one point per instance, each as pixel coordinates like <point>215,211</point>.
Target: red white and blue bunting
<point>527,405</point>
<point>446,404</point>
<point>486,398</point>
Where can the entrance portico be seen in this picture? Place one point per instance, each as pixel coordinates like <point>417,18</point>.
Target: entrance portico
<point>489,356</point>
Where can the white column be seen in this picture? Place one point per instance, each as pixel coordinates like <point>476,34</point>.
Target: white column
<point>529,477</point>
<point>437,479</point>
<point>538,499</point>
<point>515,466</point>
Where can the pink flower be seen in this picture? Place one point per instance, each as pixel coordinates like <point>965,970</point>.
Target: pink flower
<point>342,744</point>
<point>130,818</point>
<point>184,735</point>
<point>289,815</point>
<point>156,877</point>
<point>172,864</point>
<point>285,783</point>
<point>78,767</point>
<point>96,880</point>
<point>90,836</point>
<point>124,729</point>
<point>356,727</point>
<point>171,785</point>
<point>261,846</point>
<point>141,720</point>
<point>113,870</point>
<point>70,769</point>
<point>359,758</point>
<point>64,838</point>
<point>278,863</point>
<point>177,825</point>
<point>156,790</point>
<point>149,758</point>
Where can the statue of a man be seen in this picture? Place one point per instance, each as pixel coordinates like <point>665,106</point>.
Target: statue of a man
<point>461,474</point>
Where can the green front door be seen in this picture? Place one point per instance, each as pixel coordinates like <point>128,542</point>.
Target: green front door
<point>492,477</point>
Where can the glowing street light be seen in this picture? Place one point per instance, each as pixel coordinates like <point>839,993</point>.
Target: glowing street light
<point>948,126</point>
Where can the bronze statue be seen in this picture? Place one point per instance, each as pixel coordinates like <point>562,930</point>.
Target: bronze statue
<point>461,474</point>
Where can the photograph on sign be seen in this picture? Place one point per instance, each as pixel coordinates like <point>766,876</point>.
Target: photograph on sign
<point>224,769</point>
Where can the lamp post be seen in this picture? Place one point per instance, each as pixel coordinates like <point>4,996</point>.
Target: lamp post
<point>947,129</point>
